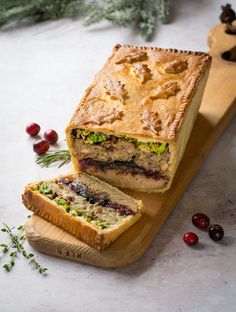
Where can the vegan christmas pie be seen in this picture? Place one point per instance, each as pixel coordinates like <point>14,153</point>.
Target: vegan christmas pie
<point>133,123</point>
<point>91,210</point>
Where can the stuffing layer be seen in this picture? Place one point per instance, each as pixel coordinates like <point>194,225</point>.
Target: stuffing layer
<point>81,201</point>
<point>150,156</point>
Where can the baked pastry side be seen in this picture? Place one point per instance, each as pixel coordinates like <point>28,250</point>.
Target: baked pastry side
<point>133,123</point>
<point>89,209</point>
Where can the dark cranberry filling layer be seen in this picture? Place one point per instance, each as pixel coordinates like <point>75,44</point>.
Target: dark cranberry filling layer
<point>96,198</point>
<point>122,166</point>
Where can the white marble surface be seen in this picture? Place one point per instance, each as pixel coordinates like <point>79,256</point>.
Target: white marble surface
<point>44,70</point>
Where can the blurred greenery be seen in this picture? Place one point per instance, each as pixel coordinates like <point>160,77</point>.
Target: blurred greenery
<point>142,14</point>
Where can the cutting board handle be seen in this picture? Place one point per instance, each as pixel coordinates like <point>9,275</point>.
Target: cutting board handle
<point>219,41</point>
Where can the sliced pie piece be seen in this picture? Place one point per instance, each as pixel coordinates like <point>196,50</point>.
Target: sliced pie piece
<point>91,210</point>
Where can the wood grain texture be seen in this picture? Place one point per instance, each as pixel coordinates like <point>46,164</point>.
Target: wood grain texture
<point>217,109</point>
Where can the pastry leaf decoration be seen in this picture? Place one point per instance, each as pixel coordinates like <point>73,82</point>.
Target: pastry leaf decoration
<point>173,67</point>
<point>141,72</point>
<point>151,121</point>
<point>115,90</point>
<point>99,112</point>
<point>132,56</point>
<point>164,91</point>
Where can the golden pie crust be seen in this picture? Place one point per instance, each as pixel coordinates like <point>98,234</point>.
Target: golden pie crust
<point>147,93</point>
<point>96,238</point>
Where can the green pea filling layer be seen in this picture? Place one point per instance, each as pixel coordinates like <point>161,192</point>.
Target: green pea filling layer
<point>47,190</point>
<point>97,138</point>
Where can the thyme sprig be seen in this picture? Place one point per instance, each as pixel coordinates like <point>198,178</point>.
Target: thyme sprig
<point>16,246</point>
<point>51,157</point>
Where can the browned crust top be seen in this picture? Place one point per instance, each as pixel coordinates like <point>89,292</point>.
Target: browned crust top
<point>141,92</point>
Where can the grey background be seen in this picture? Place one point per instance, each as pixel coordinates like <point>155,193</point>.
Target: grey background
<point>44,70</point>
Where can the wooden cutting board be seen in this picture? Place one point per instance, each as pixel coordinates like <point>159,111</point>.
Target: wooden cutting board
<point>217,109</point>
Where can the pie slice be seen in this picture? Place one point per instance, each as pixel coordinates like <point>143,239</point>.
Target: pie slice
<point>89,209</point>
<point>133,123</point>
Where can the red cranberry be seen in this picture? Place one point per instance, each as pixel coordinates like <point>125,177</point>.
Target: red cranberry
<point>41,147</point>
<point>32,129</point>
<point>216,232</point>
<point>200,220</point>
<point>51,136</point>
<point>190,238</point>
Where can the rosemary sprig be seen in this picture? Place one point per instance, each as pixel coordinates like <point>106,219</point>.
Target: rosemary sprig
<point>51,157</point>
<point>16,246</point>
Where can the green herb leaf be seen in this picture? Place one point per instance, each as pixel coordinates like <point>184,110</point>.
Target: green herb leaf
<point>152,147</point>
<point>144,147</point>
<point>161,148</point>
<point>17,244</point>
<point>6,267</point>
<point>45,189</point>
<point>90,137</point>
<point>62,202</point>
<point>62,157</point>
<point>21,228</point>
<point>96,138</point>
<point>102,224</point>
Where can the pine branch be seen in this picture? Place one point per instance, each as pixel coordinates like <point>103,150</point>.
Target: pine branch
<point>11,10</point>
<point>148,19</point>
<point>141,14</point>
<point>119,12</point>
<point>163,10</point>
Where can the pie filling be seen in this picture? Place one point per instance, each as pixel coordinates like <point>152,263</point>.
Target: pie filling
<point>81,201</point>
<point>96,198</point>
<point>121,166</point>
<point>122,154</point>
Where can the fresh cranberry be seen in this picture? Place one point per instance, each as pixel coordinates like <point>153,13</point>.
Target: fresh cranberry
<point>32,129</point>
<point>51,136</point>
<point>41,147</point>
<point>216,232</point>
<point>190,238</point>
<point>200,220</point>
